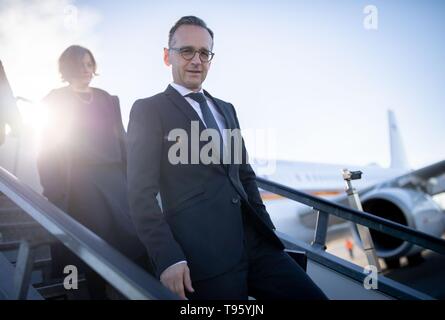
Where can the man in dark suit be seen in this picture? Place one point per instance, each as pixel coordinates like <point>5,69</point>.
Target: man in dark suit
<point>213,238</point>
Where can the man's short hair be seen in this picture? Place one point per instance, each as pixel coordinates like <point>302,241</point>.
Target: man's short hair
<point>190,21</point>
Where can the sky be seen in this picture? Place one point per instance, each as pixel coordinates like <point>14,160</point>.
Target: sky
<point>310,80</point>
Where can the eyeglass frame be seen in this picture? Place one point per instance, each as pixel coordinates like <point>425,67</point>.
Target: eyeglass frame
<point>178,50</point>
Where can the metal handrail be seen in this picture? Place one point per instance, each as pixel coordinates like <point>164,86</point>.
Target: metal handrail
<point>125,276</point>
<point>371,221</point>
<point>135,283</point>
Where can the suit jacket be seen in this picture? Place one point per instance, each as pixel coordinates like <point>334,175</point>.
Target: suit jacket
<point>82,167</point>
<point>202,205</point>
<point>55,157</point>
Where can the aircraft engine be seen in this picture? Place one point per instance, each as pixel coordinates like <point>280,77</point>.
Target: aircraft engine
<point>409,207</point>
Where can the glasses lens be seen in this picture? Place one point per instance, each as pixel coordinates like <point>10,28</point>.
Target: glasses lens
<point>187,53</point>
<point>204,55</point>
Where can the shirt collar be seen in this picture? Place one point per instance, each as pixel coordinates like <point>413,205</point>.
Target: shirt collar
<point>183,91</point>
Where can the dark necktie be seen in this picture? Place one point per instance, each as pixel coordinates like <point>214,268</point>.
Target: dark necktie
<point>209,119</point>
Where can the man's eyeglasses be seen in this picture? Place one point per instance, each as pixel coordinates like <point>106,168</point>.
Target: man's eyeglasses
<point>188,53</point>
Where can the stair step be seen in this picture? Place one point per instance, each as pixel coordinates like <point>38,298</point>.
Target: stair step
<point>14,214</point>
<point>10,212</point>
<point>17,232</point>
<point>56,290</point>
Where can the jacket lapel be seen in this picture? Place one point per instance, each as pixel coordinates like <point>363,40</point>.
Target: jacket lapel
<point>182,104</point>
<point>229,123</point>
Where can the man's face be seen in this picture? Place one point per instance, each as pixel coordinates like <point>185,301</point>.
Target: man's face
<point>190,74</point>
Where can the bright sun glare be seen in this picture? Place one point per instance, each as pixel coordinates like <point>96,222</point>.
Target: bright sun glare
<point>33,114</point>
<point>32,36</point>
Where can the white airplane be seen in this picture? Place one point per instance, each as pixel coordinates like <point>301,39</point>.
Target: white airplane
<point>395,193</point>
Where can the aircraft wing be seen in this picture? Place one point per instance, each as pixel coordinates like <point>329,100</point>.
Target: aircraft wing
<point>430,179</point>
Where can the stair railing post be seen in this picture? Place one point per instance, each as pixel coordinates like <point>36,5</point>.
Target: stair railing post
<point>363,232</point>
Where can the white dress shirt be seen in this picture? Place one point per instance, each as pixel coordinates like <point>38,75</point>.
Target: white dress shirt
<point>220,120</point>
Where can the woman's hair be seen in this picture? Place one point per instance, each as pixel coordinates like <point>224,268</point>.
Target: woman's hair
<point>70,61</point>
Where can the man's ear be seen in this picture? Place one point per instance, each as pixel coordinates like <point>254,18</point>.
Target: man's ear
<point>166,57</point>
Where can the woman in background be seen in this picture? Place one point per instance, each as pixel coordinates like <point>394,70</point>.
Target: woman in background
<point>82,163</point>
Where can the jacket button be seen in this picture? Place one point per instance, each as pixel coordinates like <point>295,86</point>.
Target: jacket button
<point>235,200</point>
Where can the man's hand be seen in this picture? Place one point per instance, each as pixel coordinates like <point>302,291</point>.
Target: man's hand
<point>176,277</point>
